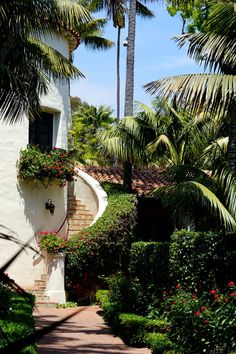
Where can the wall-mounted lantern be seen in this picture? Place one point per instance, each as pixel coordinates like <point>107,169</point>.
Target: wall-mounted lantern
<point>126,42</point>
<point>50,206</point>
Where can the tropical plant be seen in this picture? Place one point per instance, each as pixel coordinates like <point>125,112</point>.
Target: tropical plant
<point>26,62</point>
<point>215,49</point>
<point>86,122</point>
<point>162,135</point>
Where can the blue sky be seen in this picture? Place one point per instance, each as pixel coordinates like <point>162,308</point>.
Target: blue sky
<point>156,56</point>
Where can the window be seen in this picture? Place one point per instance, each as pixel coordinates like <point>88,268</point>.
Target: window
<point>41,130</point>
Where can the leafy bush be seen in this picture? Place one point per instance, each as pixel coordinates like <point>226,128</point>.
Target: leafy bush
<point>103,248</point>
<point>203,324</point>
<point>149,268</point>
<point>37,165</point>
<point>159,343</point>
<point>134,328</point>
<point>51,242</point>
<point>203,259</point>
<point>18,322</point>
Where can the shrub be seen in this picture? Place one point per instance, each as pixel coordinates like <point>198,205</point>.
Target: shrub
<point>149,267</point>
<point>133,328</point>
<point>159,343</point>
<point>203,259</point>
<point>203,324</point>
<point>103,248</point>
<point>44,167</point>
<point>18,322</point>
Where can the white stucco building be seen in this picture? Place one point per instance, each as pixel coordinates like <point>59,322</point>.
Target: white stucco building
<point>22,211</point>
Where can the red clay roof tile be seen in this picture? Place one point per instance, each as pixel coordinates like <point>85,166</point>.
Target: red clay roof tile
<point>144,180</point>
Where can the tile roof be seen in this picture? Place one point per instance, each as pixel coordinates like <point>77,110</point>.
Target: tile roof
<point>144,180</point>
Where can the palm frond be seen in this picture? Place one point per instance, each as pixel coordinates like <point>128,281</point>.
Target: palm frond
<point>187,194</point>
<point>54,62</point>
<point>97,42</point>
<point>212,50</point>
<point>143,11</point>
<point>200,91</point>
<point>163,139</point>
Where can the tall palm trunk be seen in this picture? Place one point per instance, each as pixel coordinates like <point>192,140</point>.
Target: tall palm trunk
<point>129,85</point>
<point>118,75</point>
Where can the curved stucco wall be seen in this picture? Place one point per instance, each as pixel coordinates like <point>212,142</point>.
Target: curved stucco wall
<point>91,194</point>
<point>23,205</point>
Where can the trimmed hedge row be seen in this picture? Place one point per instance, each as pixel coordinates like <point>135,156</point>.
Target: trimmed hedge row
<point>203,260</point>
<point>103,248</point>
<point>17,321</point>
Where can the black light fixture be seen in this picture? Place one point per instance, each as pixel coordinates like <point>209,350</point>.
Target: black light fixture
<point>50,206</point>
<point>126,42</point>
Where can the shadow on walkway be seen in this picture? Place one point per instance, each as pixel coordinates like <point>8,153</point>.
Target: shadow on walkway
<point>84,333</point>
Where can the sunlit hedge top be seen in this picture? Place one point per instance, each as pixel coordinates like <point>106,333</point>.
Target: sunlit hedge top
<point>45,167</point>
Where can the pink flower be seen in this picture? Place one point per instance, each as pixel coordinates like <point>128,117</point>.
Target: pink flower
<point>233,294</point>
<point>197,313</point>
<point>231,284</point>
<point>178,286</point>
<point>212,292</point>
<point>203,308</point>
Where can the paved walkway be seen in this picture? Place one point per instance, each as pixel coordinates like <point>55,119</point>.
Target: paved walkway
<point>84,333</point>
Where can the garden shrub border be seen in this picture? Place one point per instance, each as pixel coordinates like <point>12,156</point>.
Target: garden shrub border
<point>103,248</point>
<point>200,260</point>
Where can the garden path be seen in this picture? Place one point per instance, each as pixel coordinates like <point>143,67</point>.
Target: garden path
<point>84,333</point>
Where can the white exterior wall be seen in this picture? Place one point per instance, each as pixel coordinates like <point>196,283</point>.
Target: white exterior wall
<point>22,206</point>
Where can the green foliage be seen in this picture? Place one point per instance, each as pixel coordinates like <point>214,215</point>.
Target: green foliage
<point>149,267</point>
<point>203,324</point>
<point>18,321</point>
<point>134,328</point>
<point>86,122</point>
<point>37,165</point>
<point>193,14</point>
<point>202,259</point>
<point>51,242</point>
<point>103,248</point>
<point>159,343</point>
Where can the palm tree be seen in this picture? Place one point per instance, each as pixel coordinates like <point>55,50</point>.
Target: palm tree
<point>215,48</point>
<point>116,10</point>
<point>26,62</point>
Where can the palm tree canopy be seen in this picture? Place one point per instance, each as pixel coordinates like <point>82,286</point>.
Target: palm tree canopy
<point>215,49</point>
<point>26,63</point>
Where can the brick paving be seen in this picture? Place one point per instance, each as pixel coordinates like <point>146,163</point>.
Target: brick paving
<point>84,333</point>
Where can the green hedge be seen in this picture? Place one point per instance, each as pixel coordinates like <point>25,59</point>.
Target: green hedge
<point>134,328</point>
<point>103,248</point>
<point>201,260</point>
<point>17,322</point>
<point>159,343</point>
<point>149,265</point>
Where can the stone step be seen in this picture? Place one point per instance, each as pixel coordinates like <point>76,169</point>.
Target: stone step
<point>47,304</point>
<point>44,298</point>
<point>40,283</point>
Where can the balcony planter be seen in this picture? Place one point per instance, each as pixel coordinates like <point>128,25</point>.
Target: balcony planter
<point>46,167</point>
